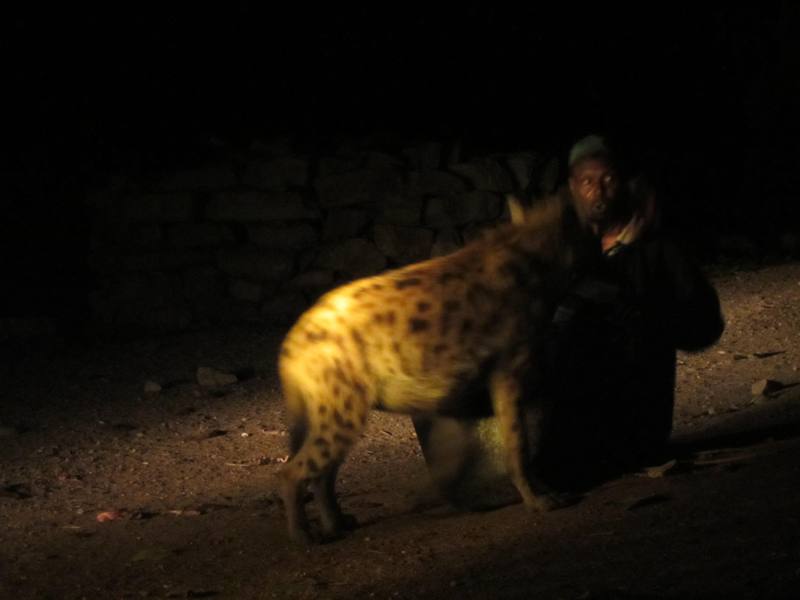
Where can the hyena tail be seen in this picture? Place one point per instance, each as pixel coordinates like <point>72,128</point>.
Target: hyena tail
<point>296,415</point>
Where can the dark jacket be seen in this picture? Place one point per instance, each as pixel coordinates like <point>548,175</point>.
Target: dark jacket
<point>612,356</point>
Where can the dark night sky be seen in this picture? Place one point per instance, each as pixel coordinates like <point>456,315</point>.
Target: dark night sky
<point>108,82</point>
<point>707,97</point>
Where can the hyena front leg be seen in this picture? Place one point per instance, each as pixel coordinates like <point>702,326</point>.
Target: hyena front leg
<point>506,391</point>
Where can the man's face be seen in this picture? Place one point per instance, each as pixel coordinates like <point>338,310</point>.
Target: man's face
<point>594,184</point>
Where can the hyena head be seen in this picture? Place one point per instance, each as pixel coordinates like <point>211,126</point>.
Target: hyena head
<point>552,221</point>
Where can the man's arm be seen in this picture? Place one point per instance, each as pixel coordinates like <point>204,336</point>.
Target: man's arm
<point>695,316</point>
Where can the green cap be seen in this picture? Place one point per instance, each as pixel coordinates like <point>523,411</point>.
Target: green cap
<point>588,147</point>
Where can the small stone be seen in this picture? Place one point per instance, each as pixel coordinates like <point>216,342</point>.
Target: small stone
<point>109,515</point>
<point>764,387</point>
<point>208,377</point>
<point>658,471</point>
<point>152,388</point>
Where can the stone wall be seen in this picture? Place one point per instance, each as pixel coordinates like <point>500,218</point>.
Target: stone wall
<point>258,235</point>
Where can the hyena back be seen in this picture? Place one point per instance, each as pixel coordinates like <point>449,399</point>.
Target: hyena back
<point>415,340</point>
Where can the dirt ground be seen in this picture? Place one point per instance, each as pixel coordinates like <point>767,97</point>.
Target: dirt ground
<point>110,492</point>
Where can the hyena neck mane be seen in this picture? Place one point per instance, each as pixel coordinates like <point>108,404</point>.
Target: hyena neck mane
<point>548,236</point>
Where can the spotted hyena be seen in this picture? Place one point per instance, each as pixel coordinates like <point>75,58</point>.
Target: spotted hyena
<point>417,340</point>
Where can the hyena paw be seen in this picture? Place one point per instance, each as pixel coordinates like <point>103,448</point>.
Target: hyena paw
<point>335,529</point>
<point>544,503</point>
<point>555,500</point>
<point>348,522</point>
<point>302,538</point>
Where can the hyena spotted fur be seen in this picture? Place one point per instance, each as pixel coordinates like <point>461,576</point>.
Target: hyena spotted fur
<point>417,339</point>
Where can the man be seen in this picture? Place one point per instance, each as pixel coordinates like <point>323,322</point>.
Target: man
<point>613,350</point>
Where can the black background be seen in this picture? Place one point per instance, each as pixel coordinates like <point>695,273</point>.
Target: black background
<point>704,98</point>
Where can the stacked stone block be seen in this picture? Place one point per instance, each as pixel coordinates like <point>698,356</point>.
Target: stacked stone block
<point>259,237</point>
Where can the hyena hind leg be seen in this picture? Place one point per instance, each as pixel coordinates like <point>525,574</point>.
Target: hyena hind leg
<point>317,463</point>
<point>292,490</point>
<point>333,520</point>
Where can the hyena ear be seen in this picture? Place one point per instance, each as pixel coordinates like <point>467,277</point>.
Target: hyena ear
<point>516,209</point>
